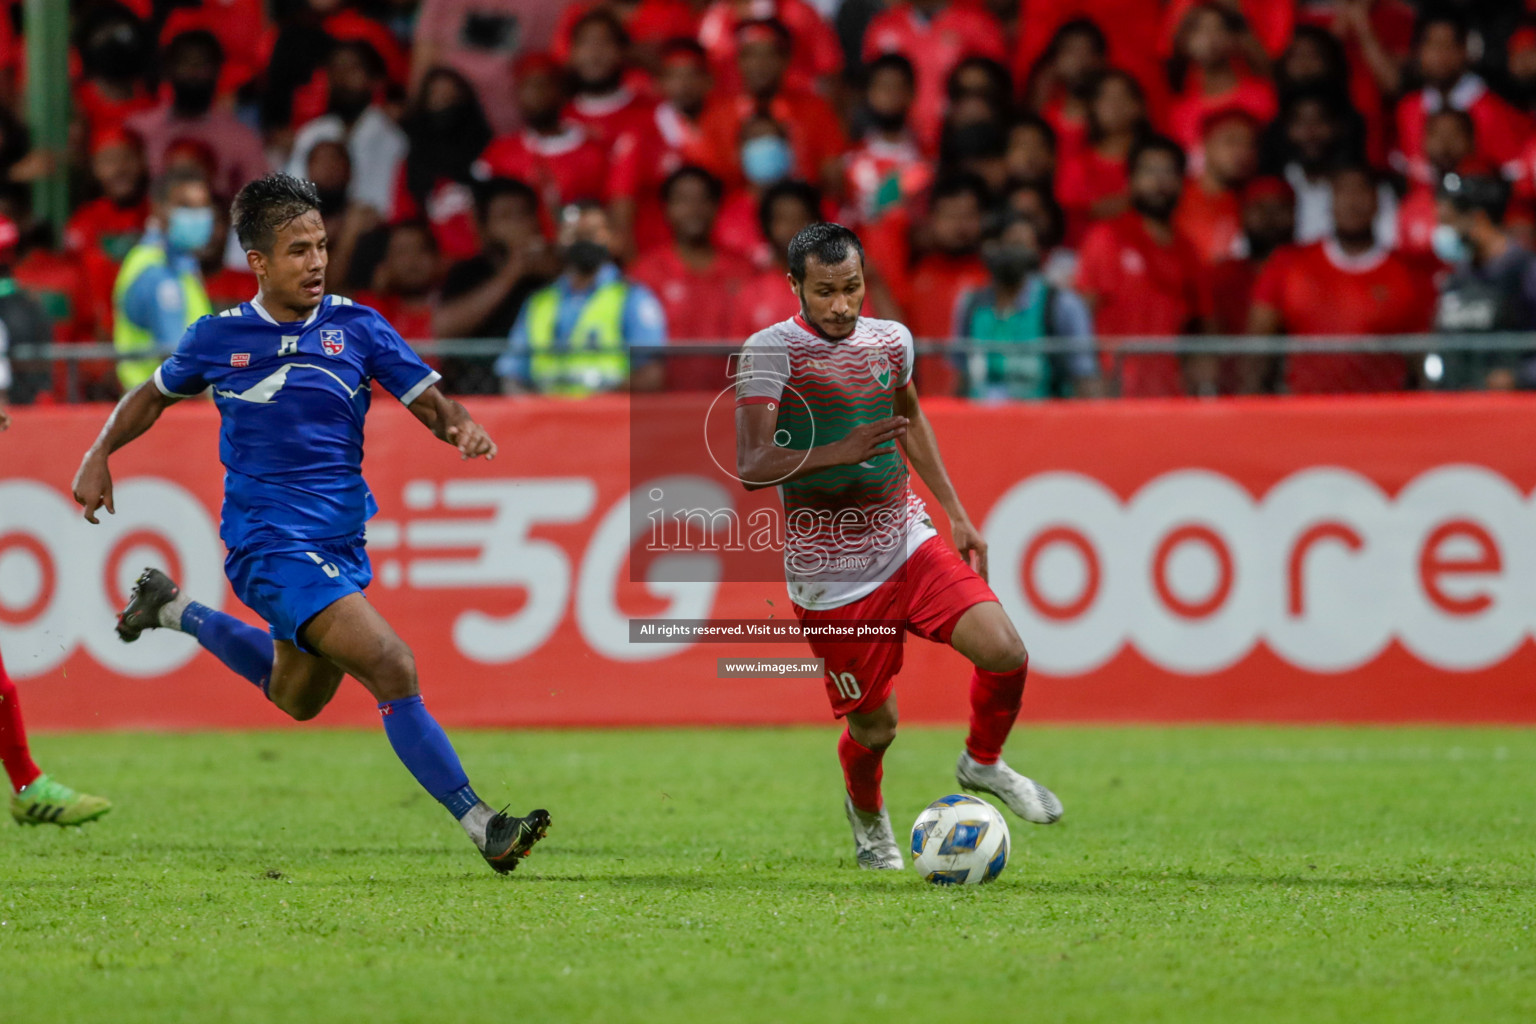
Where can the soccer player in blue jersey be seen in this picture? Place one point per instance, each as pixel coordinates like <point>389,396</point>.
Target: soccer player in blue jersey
<point>291,372</point>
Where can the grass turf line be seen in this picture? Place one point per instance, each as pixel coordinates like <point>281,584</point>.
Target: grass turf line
<point>1200,874</point>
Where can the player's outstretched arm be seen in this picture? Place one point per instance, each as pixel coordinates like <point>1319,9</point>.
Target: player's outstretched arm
<point>134,414</point>
<point>449,421</point>
<point>761,463</point>
<point>922,447</point>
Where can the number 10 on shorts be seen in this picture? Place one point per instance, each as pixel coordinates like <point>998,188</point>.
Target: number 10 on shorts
<point>847,686</point>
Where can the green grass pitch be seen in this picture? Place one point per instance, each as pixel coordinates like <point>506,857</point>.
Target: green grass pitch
<point>1200,874</point>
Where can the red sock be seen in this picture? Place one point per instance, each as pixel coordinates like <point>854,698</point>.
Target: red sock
<point>13,737</point>
<point>995,700</point>
<point>861,772</point>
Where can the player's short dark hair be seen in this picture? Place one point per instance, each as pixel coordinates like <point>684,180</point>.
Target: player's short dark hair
<point>193,39</point>
<point>827,243</point>
<point>162,187</point>
<point>1471,192</point>
<point>488,191</point>
<point>712,184</point>
<point>802,192</point>
<point>265,206</point>
<point>890,62</point>
<point>606,18</point>
<point>1154,143</point>
<point>960,183</point>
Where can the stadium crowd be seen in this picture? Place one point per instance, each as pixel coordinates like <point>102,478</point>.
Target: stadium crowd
<point>585,178</point>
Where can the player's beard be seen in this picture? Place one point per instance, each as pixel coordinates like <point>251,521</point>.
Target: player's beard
<point>851,325</point>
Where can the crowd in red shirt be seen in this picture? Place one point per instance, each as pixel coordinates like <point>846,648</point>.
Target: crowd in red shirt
<point>1190,163</point>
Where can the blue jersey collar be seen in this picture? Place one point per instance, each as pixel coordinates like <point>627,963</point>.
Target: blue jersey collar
<point>261,311</point>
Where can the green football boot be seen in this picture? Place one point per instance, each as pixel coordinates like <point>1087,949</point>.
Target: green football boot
<point>46,802</point>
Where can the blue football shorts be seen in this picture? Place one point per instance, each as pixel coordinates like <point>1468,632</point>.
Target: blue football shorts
<point>289,582</point>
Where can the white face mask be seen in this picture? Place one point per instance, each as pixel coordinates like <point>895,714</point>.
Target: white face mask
<point>1449,245</point>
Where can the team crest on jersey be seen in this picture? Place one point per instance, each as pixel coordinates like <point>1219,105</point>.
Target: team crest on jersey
<point>880,368</point>
<point>238,359</point>
<point>333,342</point>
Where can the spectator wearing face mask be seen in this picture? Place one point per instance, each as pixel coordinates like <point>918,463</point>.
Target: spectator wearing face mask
<point>191,63</point>
<point>1019,307</point>
<point>574,337</point>
<point>1449,148</point>
<point>765,159</point>
<point>814,134</point>
<point>1491,285</point>
<point>376,144</point>
<point>159,291</point>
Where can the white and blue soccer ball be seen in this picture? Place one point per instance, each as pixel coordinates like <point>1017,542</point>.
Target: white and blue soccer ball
<point>960,840</point>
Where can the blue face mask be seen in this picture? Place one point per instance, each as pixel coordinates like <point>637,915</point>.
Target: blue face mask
<point>766,160</point>
<point>1449,245</point>
<point>189,228</point>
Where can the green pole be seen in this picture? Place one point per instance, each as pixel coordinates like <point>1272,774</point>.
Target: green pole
<point>46,25</point>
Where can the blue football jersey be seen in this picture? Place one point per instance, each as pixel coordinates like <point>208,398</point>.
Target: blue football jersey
<point>292,398</point>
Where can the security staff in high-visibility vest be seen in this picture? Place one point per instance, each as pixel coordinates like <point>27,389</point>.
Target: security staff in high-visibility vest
<point>575,336</point>
<point>159,290</point>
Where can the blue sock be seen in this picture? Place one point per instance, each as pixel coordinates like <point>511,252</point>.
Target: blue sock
<point>423,747</point>
<point>245,649</point>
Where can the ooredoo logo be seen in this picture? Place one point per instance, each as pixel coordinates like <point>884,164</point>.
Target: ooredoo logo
<point>1326,569</point>
<point>63,581</point>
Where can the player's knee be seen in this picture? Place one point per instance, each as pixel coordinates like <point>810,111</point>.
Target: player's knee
<point>876,731</point>
<point>1003,653</point>
<point>394,673</point>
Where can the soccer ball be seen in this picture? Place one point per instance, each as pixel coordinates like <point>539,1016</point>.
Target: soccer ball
<point>960,840</point>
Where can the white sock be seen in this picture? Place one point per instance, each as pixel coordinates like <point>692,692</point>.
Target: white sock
<point>170,612</point>
<point>475,821</point>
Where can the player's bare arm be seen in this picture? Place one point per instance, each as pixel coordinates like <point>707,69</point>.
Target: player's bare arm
<point>922,448</point>
<point>761,463</point>
<point>135,413</point>
<point>450,422</point>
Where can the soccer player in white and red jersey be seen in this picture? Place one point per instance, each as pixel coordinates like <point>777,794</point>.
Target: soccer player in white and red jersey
<point>820,399</point>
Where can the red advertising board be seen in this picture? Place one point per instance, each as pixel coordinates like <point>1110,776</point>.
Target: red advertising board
<point>1366,560</point>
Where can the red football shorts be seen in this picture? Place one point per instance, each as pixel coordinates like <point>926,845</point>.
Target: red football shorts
<point>937,587</point>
